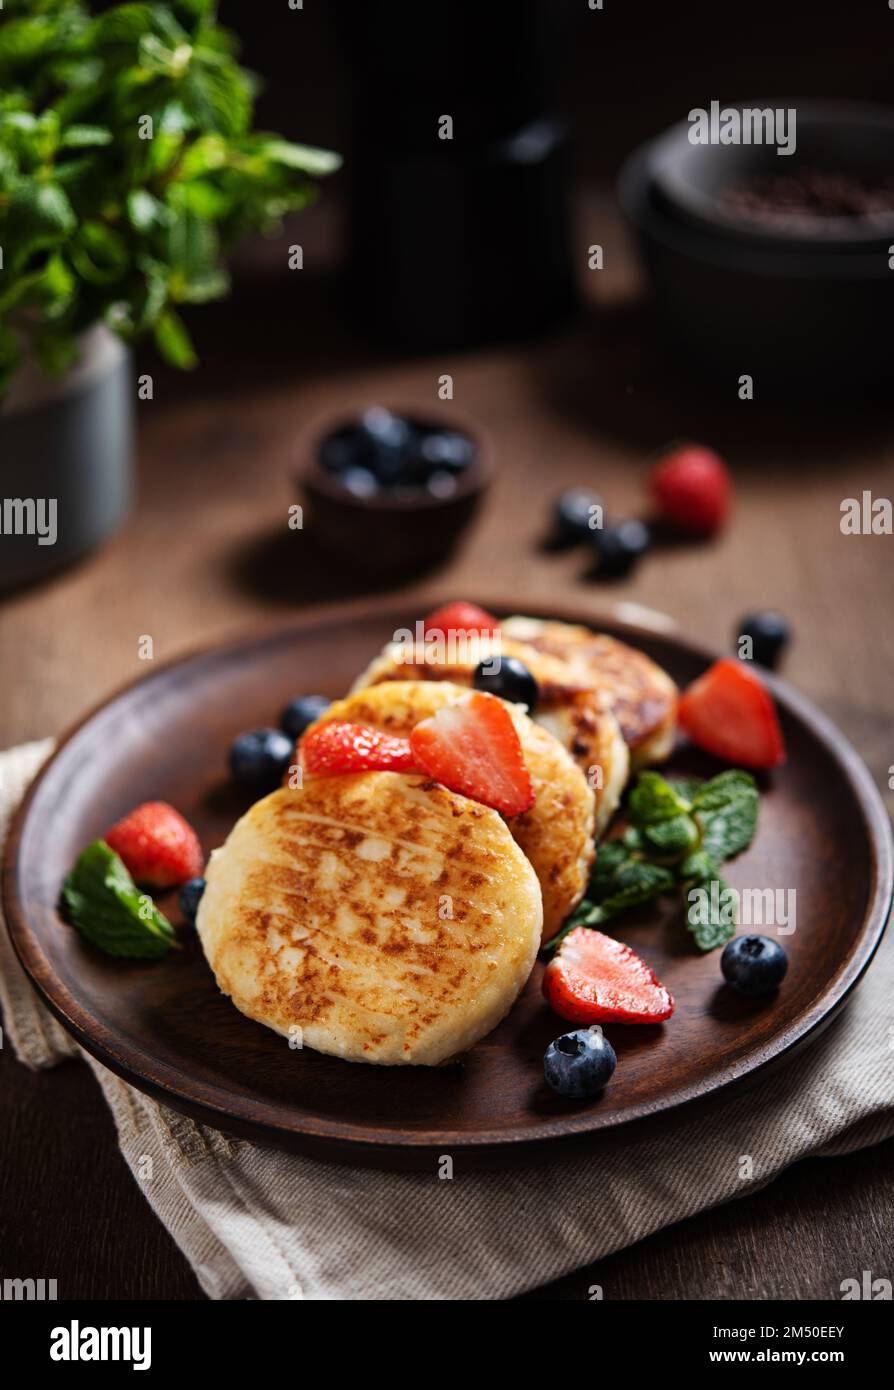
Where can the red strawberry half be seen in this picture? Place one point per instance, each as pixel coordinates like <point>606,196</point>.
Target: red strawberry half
<point>158,846</point>
<point>472,747</point>
<point>460,617</point>
<point>594,979</point>
<point>334,747</point>
<point>728,712</point>
<point>692,488</point>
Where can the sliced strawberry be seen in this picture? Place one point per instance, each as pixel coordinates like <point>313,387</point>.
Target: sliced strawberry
<point>472,747</point>
<point>158,846</point>
<point>692,488</point>
<point>594,979</point>
<point>728,712</point>
<point>335,747</point>
<point>460,617</point>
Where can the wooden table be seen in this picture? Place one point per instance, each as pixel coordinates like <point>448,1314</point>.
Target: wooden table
<point>208,553</point>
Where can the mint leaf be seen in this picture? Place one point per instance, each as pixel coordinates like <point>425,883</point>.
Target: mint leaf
<point>82,137</point>
<point>674,836</point>
<point>102,902</point>
<point>727,809</point>
<point>653,799</point>
<point>728,832</point>
<point>680,832</point>
<point>710,913</point>
<point>722,789</point>
<point>610,857</point>
<point>637,882</point>
<point>686,788</point>
<point>306,157</point>
<point>173,341</point>
<point>698,865</point>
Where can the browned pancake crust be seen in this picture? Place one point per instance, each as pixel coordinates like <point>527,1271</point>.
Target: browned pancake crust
<point>643,697</point>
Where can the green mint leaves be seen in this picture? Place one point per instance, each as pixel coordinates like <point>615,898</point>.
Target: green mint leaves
<point>101,900</point>
<point>128,167</point>
<point>679,834</point>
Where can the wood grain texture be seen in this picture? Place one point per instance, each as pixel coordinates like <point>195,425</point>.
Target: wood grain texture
<point>207,554</point>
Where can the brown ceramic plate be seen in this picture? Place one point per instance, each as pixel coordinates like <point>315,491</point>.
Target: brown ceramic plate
<point>165,1027</point>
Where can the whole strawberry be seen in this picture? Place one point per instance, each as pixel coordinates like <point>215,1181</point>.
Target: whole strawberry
<point>159,848</point>
<point>692,489</point>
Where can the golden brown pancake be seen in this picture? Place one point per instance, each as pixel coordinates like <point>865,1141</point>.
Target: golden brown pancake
<point>573,712</point>
<point>556,834</point>
<point>375,916</point>
<point>643,697</point>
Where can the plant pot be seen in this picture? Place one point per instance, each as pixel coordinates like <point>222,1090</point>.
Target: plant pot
<point>805,312</point>
<point>66,459</point>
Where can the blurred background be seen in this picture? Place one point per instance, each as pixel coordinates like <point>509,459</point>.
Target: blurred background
<point>471,260</point>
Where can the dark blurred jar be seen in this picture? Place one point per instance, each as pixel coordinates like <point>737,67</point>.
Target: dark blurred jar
<point>455,242</point>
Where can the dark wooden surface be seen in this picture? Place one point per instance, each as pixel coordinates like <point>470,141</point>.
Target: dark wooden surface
<point>207,554</point>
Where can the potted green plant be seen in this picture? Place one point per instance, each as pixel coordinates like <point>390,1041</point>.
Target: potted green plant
<point>128,166</point>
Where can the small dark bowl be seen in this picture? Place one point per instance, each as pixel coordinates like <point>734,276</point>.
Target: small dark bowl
<point>395,531</point>
<point>793,307</point>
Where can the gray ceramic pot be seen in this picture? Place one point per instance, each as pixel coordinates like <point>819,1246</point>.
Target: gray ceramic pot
<point>66,459</point>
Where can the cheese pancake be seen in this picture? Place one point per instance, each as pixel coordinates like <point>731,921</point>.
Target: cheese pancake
<point>374,916</point>
<point>642,695</point>
<point>557,832</point>
<point>577,715</point>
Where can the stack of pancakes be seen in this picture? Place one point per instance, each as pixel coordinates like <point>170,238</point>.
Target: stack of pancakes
<point>378,916</point>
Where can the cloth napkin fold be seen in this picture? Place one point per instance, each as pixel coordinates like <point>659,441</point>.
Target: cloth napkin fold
<point>255,1223</point>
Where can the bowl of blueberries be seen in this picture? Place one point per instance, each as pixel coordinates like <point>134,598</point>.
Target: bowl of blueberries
<point>391,491</point>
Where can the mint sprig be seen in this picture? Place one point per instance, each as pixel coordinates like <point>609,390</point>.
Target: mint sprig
<point>102,902</point>
<point>679,833</point>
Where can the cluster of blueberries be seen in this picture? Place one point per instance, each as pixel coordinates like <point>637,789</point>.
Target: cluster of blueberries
<point>579,519</point>
<point>384,452</point>
<point>260,759</point>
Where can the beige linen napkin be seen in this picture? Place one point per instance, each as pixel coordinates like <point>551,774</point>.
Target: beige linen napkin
<point>257,1223</point>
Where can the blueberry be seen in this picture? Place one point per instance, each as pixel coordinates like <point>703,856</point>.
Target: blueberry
<point>259,759</point>
<point>579,1064</point>
<point>769,636</point>
<point>447,449</point>
<point>574,517</point>
<point>387,431</point>
<point>190,897</point>
<point>344,449</point>
<point>441,483</point>
<point>359,482</point>
<point>301,712</point>
<point>753,965</point>
<point>392,445</point>
<point>619,547</point>
<point>509,678</point>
